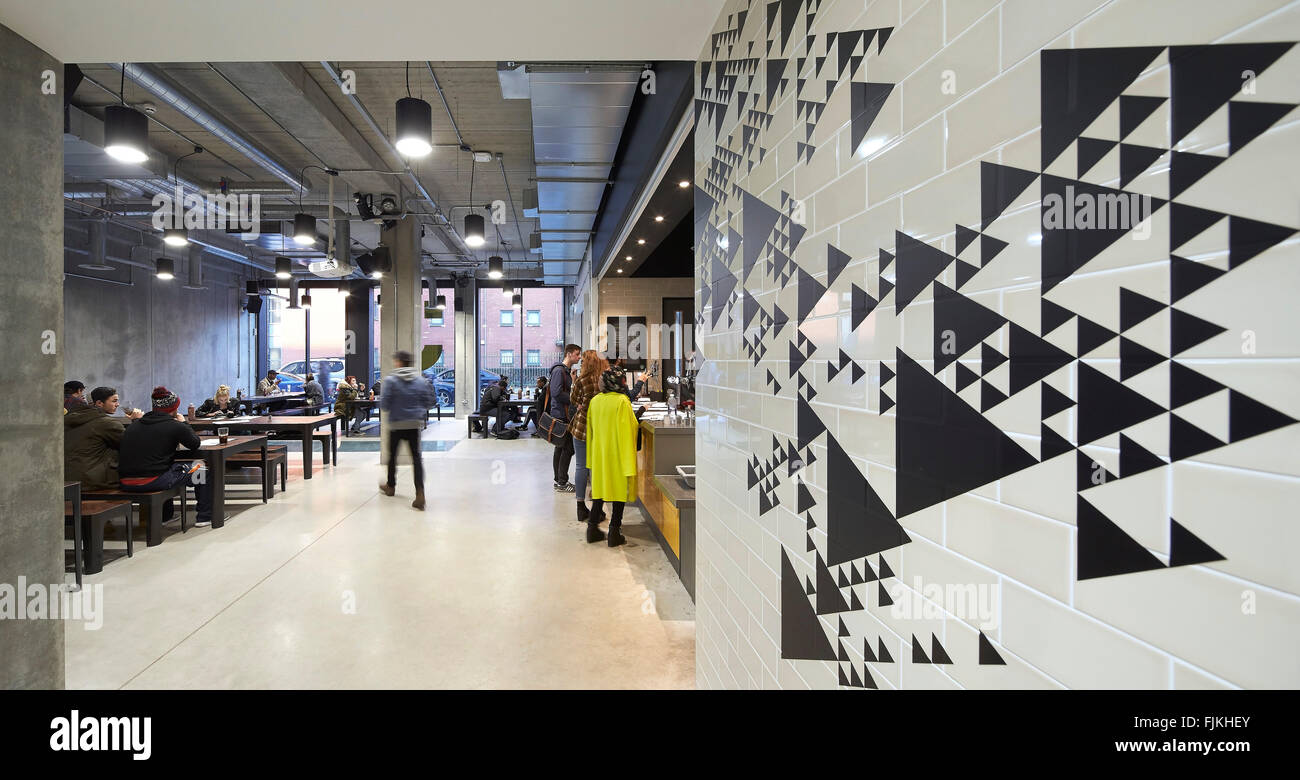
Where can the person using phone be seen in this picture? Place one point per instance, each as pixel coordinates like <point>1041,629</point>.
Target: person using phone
<point>219,405</point>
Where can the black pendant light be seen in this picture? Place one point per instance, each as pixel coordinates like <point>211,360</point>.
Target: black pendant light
<point>126,131</point>
<point>175,236</point>
<point>166,268</point>
<point>496,266</point>
<point>440,302</point>
<point>306,300</point>
<point>507,290</point>
<point>517,300</point>
<point>304,229</point>
<point>414,123</point>
<point>283,268</point>
<point>475,234</point>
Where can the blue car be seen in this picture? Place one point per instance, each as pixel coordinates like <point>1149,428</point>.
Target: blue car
<point>444,383</point>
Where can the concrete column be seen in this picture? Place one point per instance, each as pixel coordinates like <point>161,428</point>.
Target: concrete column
<point>466,345</point>
<point>359,323</point>
<point>31,319</point>
<point>402,312</point>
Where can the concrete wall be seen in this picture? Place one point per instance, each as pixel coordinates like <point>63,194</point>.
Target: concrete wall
<point>156,332</point>
<point>947,440</point>
<point>31,317</point>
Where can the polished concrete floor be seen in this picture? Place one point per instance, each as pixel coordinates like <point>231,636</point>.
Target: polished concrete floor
<point>334,585</point>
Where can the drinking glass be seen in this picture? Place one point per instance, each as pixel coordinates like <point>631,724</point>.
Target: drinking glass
<point>223,434</point>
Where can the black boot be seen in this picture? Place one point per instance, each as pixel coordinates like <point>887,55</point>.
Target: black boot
<point>583,513</point>
<point>616,526</point>
<point>594,534</point>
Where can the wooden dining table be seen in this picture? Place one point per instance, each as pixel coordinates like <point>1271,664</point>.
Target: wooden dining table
<point>214,453</point>
<point>301,425</point>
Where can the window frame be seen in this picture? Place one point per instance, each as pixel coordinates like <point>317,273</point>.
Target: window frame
<point>501,357</point>
<point>507,313</point>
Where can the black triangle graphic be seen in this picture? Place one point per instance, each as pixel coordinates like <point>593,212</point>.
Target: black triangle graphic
<point>1186,331</point>
<point>1106,406</point>
<point>1091,335</point>
<point>1186,385</point>
<point>1187,222</point>
<point>918,652</point>
<point>832,371</point>
<point>1032,358</point>
<point>918,265</point>
<point>1052,443</point>
<point>1104,550</point>
<point>965,272</point>
<point>1188,276</point>
<point>855,681</point>
<point>810,292</point>
<point>1135,358</point>
<point>883,595</point>
<point>844,680</point>
<point>964,377</point>
<point>811,590</point>
<point>1203,78</point>
<point>867,654</point>
<point>1054,401</point>
<point>865,101</point>
<point>989,655</point>
<point>1069,244</point>
<point>943,447</point>
<point>1186,168</point>
<point>858,523</point>
<point>1247,238</point>
<point>999,186</point>
<point>1185,548</point>
<point>843,630</point>
<point>885,259</point>
<point>797,360</point>
<point>959,324</point>
<point>964,236</point>
<point>857,372</point>
<point>869,574</point>
<point>1135,308</point>
<point>990,358</point>
<point>990,396</point>
<point>1090,473</point>
<point>1248,417</point>
<point>1186,440</point>
<point>882,652</point>
<point>1135,459</point>
<point>882,37</point>
<point>835,263</point>
<point>829,598</point>
<point>937,654</point>
<point>1133,109</point>
<point>1053,316</point>
<point>862,305</point>
<point>1134,159</point>
<point>990,247</point>
<point>1078,84</point>
<point>810,426</point>
<point>854,603</point>
<point>806,500</point>
<point>885,571</point>
<point>1090,152</point>
<point>802,634</point>
<point>886,374</point>
<point>869,681</point>
<point>1247,120</point>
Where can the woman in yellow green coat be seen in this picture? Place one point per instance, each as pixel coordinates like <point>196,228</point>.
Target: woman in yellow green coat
<point>611,455</point>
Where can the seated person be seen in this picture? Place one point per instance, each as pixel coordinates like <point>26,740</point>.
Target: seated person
<point>490,404</point>
<point>347,392</point>
<point>91,437</point>
<point>219,405</point>
<point>74,395</point>
<point>374,389</point>
<point>535,410</point>
<point>270,385</point>
<point>314,392</point>
<point>146,451</point>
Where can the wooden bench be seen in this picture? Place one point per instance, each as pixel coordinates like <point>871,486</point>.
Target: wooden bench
<point>473,417</point>
<point>275,455</point>
<point>94,515</point>
<point>325,439</point>
<point>150,504</point>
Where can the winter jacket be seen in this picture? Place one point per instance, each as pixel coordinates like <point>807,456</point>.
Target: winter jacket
<point>210,408</point>
<point>406,397</point>
<point>583,391</point>
<point>90,443</point>
<point>314,392</point>
<point>491,399</point>
<point>344,394</point>
<point>611,447</point>
<point>267,387</point>
<point>149,444</point>
<point>560,383</point>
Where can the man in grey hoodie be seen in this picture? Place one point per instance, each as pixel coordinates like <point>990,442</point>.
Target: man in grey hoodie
<point>405,400</point>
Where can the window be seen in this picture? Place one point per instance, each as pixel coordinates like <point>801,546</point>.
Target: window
<point>435,321</point>
<point>534,357</point>
<point>534,318</point>
<point>507,357</point>
<point>507,318</point>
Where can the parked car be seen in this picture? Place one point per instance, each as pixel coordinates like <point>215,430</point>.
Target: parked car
<point>444,383</point>
<point>333,366</point>
<point>290,382</point>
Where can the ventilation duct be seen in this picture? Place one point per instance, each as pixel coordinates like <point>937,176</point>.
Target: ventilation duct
<point>97,242</point>
<point>195,267</point>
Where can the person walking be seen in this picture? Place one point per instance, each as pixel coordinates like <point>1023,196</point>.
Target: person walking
<point>584,389</point>
<point>405,400</point>
<point>611,456</point>
<point>559,384</point>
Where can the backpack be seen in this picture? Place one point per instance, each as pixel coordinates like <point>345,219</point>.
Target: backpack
<point>508,434</point>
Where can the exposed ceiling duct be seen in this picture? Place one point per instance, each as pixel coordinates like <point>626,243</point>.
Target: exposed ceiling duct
<point>164,90</point>
<point>578,117</point>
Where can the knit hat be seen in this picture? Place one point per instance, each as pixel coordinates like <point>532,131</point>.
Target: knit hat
<point>164,400</point>
<point>612,381</point>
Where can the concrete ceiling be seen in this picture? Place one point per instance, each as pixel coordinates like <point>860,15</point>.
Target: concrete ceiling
<point>312,30</point>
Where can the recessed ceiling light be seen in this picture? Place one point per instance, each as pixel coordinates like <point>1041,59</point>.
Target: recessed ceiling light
<point>620,270</point>
<point>628,257</point>
<point>659,218</point>
<point>641,241</point>
<point>683,184</point>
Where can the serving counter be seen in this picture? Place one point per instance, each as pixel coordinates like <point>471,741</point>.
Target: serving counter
<point>667,501</point>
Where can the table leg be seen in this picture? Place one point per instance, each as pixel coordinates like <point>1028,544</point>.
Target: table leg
<point>217,481</point>
<point>94,549</point>
<point>266,478</point>
<point>306,452</point>
<point>77,542</point>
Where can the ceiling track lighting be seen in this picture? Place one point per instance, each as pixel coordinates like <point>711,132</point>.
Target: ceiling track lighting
<point>283,268</point>
<point>496,266</point>
<point>166,268</point>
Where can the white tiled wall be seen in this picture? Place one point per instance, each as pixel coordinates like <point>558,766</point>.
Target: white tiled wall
<point>1232,623</point>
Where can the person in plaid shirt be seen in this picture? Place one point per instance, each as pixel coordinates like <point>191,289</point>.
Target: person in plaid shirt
<point>586,387</point>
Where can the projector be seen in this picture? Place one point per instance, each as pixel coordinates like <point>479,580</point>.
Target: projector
<point>330,268</point>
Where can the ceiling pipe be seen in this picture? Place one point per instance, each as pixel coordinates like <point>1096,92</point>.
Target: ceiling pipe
<point>156,85</point>
<point>444,230</point>
<point>445,104</point>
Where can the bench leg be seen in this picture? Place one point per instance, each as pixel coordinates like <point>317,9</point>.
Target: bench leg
<point>151,517</point>
<point>284,475</point>
<point>93,549</point>
<point>130,534</point>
